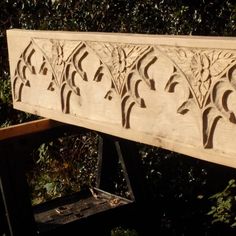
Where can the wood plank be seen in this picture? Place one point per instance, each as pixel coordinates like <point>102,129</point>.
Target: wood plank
<point>27,128</point>
<point>175,92</point>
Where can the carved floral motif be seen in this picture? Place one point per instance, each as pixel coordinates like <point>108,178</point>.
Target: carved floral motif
<point>208,76</point>
<point>125,65</point>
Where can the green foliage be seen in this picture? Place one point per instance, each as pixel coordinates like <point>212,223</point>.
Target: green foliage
<point>224,207</point>
<point>119,231</point>
<point>63,166</point>
<point>5,91</point>
<point>9,116</point>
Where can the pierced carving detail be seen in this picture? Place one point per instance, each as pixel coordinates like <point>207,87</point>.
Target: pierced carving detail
<point>127,66</point>
<point>24,64</point>
<point>62,67</point>
<point>208,77</point>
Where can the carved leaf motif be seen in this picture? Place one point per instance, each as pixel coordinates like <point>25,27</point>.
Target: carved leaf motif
<point>99,73</point>
<point>130,93</point>
<point>117,59</point>
<point>77,58</point>
<point>231,75</point>
<point>174,80</point>
<point>51,87</point>
<point>186,106</point>
<point>201,80</point>
<point>62,60</point>
<point>127,66</point>
<point>71,70</point>
<point>65,98</point>
<point>144,63</point>
<point>220,61</point>
<point>210,118</point>
<point>221,92</point>
<point>24,64</point>
<point>211,76</point>
<point>207,76</point>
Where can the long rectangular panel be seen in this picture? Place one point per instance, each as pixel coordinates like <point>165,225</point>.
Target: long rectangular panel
<point>175,92</point>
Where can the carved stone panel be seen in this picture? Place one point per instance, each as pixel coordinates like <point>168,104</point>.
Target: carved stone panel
<point>173,92</point>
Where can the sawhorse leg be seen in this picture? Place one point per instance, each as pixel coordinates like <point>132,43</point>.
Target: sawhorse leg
<point>111,152</point>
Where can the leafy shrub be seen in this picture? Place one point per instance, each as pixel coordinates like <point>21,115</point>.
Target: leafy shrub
<point>63,166</point>
<point>223,209</point>
<point>119,231</point>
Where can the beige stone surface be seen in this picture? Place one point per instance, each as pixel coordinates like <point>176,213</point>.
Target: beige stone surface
<point>175,92</point>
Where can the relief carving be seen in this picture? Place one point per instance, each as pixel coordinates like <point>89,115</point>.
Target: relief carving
<point>125,65</point>
<point>23,64</point>
<point>208,77</point>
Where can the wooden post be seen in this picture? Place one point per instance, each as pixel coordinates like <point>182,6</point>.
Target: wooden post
<point>113,151</point>
<point>4,230</point>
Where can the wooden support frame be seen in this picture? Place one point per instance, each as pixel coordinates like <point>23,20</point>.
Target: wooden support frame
<point>14,188</point>
<point>113,151</point>
<point>4,228</point>
<point>13,185</point>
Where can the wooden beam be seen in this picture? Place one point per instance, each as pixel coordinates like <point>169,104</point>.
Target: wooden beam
<point>175,92</point>
<point>27,128</point>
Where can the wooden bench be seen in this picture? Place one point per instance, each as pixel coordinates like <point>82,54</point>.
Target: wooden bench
<point>174,92</point>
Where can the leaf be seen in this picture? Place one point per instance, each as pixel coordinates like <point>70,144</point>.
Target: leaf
<point>118,60</point>
<point>37,201</point>
<point>221,60</point>
<point>205,61</point>
<point>233,225</point>
<point>225,54</point>
<point>200,196</point>
<point>213,210</point>
<point>49,187</point>
<point>219,67</point>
